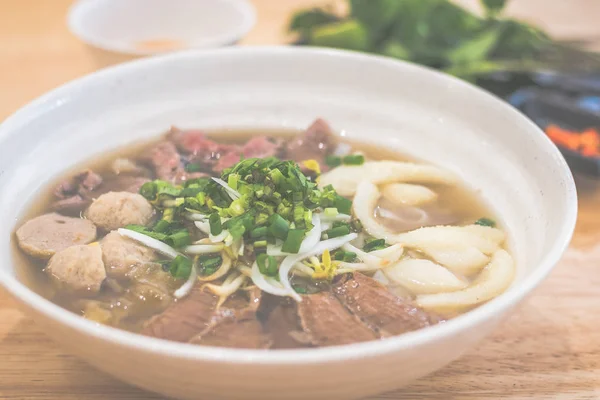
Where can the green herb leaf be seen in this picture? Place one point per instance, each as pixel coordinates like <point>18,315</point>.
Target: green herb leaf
<point>486,222</point>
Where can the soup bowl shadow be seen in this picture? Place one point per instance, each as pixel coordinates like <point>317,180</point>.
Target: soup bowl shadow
<point>432,116</point>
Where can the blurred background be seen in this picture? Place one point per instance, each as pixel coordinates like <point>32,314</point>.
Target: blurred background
<point>539,55</point>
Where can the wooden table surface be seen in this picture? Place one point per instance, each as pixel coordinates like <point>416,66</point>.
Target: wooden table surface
<point>549,349</point>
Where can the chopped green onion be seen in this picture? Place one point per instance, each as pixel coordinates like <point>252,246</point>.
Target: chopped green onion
<point>331,212</point>
<point>180,238</point>
<point>260,243</point>
<point>356,225</point>
<point>342,255</point>
<point>209,263</point>
<point>299,289</point>
<point>278,227</point>
<point>261,219</point>
<point>338,231</point>
<point>237,207</point>
<point>343,205</point>
<point>232,181</point>
<point>486,222</point>
<point>293,241</point>
<point>354,159</point>
<point>161,226</point>
<point>149,190</point>
<point>374,244</point>
<point>259,232</point>
<point>267,265</point>
<point>181,267</point>
<point>201,197</point>
<point>333,161</point>
<point>192,167</point>
<point>215,224</point>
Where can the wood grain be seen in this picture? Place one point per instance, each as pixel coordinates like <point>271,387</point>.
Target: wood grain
<point>549,349</point>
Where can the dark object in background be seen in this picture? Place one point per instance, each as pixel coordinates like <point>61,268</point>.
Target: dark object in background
<point>563,105</point>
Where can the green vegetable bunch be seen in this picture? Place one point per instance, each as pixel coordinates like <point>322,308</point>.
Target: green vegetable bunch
<point>439,34</point>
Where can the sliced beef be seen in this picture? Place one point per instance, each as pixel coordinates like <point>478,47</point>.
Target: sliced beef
<point>82,183</point>
<point>114,210</point>
<point>184,319</point>
<point>236,324</point>
<point>74,194</point>
<point>262,147</point>
<point>166,162</point>
<point>127,183</point>
<point>329,323</point>
<point>315,143</point>
<point>71,205</point>
<point>226,160</point>
<point>203,151</point>
<point>246,333</point>
<point>283,324</point>
<point>78,269</point>
<point>377,307</point>
<point>47,234</point>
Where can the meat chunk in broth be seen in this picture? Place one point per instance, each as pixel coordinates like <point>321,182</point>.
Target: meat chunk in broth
<point>236,324</point>
<point>78,269</point>
<point>377,307</point>
<point>114,210</point>
<point>43,236</point>
<point>121,255</point>
<point>314,144</point>
<point>327,322</point>
<point>185,318</point>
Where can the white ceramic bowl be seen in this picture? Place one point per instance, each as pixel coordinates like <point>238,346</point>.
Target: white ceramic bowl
<point>143,27</point>
<point>399,105</point>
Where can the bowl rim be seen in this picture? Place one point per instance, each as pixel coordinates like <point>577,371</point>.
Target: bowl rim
<point>487,311</point>
<point>75,23</point>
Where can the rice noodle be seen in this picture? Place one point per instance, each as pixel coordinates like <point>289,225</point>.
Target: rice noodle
<point>203,248</point>
<point>423,217</point>
<point>365,201</point>
<point>221,271</point>
<point>422,276</point>
<point>467,261</point>
<point>447,237</point>
<point>407,194</point>
<point>234,194</point>
<point>187,287</point>
<point>491,282</point>
<point>346,178</point>
<point>290,261</point>
<point>147,241</point>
